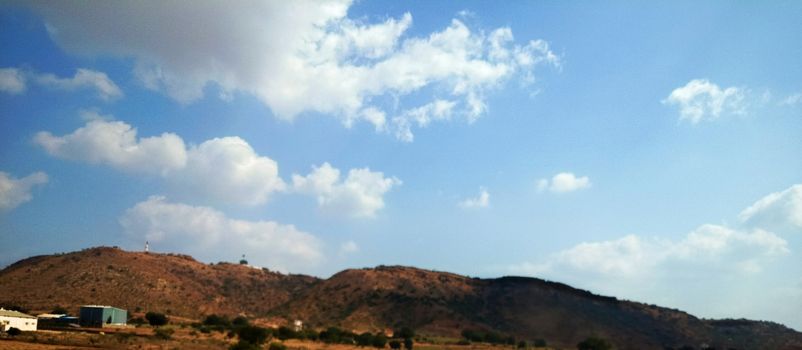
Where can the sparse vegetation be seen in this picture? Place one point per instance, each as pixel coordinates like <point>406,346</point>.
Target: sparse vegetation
<point>594,343</point>
<point>156,318</point>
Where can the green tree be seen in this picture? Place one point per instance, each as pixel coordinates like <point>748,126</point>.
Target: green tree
<point>395,344</point>
<point>253,335</point>
<point>156,318</point>
<point>364,339</point>
<point>379,341</point>
<point>404,332</point>
<point>594,343</point>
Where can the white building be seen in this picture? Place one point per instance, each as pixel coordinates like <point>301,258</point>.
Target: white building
<point>16,319</point>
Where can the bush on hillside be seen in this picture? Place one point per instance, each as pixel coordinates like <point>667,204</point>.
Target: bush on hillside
<point>156,318</point>
<point>594,343</point>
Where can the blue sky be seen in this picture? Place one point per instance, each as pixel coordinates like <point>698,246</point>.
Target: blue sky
<point>651,152</point>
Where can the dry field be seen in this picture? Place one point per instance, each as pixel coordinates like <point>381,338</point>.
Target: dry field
<point>182,338</point>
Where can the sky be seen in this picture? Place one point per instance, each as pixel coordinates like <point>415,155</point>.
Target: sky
<point>652,152</point>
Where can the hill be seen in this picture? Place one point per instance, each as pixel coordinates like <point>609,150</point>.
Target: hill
<point>373,299</point>
<point>172,283</point>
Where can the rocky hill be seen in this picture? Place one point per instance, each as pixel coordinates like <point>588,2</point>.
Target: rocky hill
<point>435,303</point>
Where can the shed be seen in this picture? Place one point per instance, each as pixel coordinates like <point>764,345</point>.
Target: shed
<point>15,319</point>
<point>102,316</point>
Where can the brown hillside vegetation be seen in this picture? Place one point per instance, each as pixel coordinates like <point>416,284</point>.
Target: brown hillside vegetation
<point>176,284</point>
<point>375,299</point>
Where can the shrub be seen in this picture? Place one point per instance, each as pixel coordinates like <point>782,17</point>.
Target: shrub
<point>156,318</point>
<point>364,339</point>
<point>521,344</point>
<point>540,343</point>
<point>277,346</point>
<point>59,310</point>
<point>214,320</point>
<point>408,343</point>
<point>163,333</point>
<point>594,343</point>
<point>243,345</point>
<point>379,341</point>
<point>395,344</point>
<point>240,321</point>
<point>14,331</point>
<point>253,334</point>
<point>404,332</point>
<point>285,333</point>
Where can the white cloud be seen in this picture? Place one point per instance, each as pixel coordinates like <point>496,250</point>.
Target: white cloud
<point>220,170</point>
<point>115,143</point>
<point>778,211</point>
<point>207,233</point>
<point>715,265</point>
<point>14,192</point>
<point>228,170</point>
<point>563,182</point>
<point>349,247</point>
<point>481,201</point>
<point>359,195</point>
<point>15,81</point>
<point>700,99</point>
<point>12,81</point>
<point>299,56</point>
<point>791,100</point>
<point>83,79</point>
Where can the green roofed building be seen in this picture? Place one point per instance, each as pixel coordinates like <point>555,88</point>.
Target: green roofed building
<point>102,316</point>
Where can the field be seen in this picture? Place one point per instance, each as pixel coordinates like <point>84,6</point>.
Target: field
<point>181,338</point>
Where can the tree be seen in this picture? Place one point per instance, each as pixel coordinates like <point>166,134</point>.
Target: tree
<point>364,339</point>
<point>521,344</point>
<point>253,334</point>
<point>156,318</point>
<point>379,341</point>
<point>59,310</point>
<point>240,321</point>
<point>395,344</point>
<point>540,343</point>
<point>408,343</point>
<point>404,332</point>
<point>14,331</point>
<point>594,343</point>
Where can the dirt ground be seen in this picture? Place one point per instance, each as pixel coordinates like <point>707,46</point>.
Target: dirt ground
<point>183,338</point>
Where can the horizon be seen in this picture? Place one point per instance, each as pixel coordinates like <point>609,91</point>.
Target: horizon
<point>649,153</point>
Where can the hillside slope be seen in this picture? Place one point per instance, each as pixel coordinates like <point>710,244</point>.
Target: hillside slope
<point>176,284</point>
<point>527,308</point>
<point>373,299</point>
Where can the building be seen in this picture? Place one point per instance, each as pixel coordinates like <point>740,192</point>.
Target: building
<point>50,321</point>
<point>15,319</point>
<point>102,316</point>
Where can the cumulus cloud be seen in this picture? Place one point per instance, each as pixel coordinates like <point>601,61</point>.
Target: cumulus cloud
<point>229,170</point>
<point>359,195</point>
<point>563,182</point>
<point>791,100</point>
<point>115,143</point>
<point>83,79</point>
<point>480,201</point>
<point>207,233</point>
<point>220,170</point>
<point>702,100</point>
<point>300,56</point>
<point>12,81</point>
<point>778,211</point>
<point>14,192</point>
<point>633,256</point>
<point>15,81</point>
<point>348,247</point>
<point>745,259</point>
